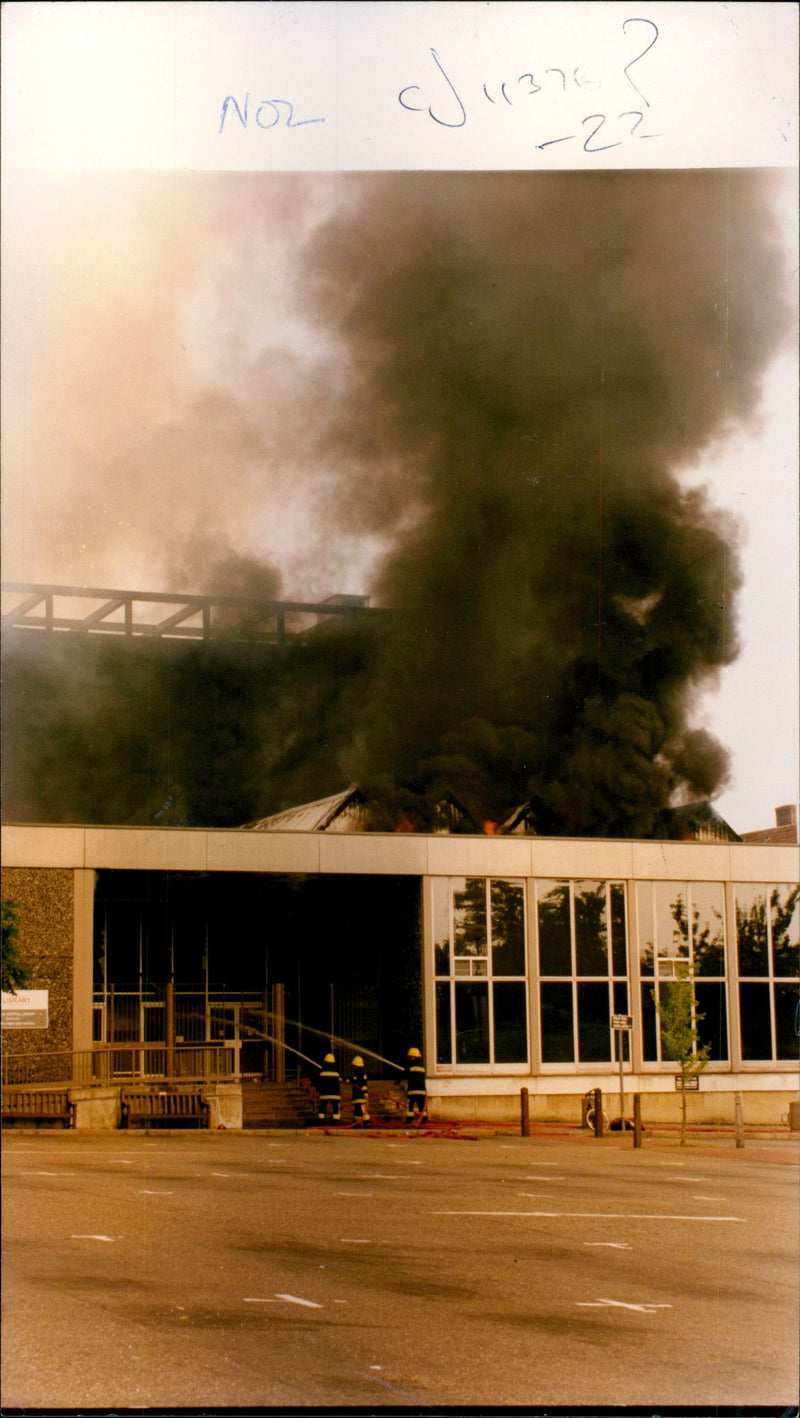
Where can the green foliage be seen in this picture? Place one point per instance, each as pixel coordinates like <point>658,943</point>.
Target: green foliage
<point>678,1019</point>
<point>13,976</point>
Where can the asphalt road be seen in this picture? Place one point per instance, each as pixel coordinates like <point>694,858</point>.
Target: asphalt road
<point>244,1270</point>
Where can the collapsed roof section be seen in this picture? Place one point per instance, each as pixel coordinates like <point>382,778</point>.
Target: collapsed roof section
<point>349,811</point>
<point>342,812</point>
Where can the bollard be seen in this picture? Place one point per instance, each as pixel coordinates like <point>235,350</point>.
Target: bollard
<point>637,1119</point>
<point>524,1109</point>
<point>739,1120</point>
<point>598,1112</point>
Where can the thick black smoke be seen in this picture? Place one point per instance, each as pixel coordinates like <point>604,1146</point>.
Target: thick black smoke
<point>521,367</point>
<point>529,364</point>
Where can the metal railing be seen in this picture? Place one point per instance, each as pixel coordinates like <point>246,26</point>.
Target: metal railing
<point>112,1063</point>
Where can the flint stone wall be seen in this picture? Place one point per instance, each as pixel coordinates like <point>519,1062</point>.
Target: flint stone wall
<point>46,901</point>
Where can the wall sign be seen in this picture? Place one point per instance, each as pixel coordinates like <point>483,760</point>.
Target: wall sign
<point>27,1009</point>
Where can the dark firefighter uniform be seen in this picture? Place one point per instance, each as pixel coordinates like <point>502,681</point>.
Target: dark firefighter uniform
<point>416,1088</point>
<point>359,1087</point>
<point>329,1091</point>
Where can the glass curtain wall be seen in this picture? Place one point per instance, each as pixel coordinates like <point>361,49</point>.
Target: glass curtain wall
<point>579,969</point>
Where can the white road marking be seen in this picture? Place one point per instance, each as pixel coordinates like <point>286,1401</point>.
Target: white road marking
<point>612,1245</point>
<point>551,1178</point>
<point>295,1300</point>
<point>151,1193</point>
<point>698,1197</point>
<point>258,1300</point>
<point>219,1174</point>
<point>384,1177</point>
<point>122,1161</point>
<point>274,1161</point>
<point>355,1240</point>
<point>594,1215</point>
<point>47,1174</point>
<point>88,1237</point>
<point>646,1309</point>
<point>533,1194</point>
<point>354,1194</point>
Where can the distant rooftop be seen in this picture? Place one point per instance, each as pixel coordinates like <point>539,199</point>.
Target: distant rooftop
<point>784,833</point>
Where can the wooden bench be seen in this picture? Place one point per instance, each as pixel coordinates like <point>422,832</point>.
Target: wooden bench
<point>34,1105</point>
<point>146,1106</point>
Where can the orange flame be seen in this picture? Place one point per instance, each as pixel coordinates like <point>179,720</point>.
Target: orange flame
<point>490,828</point>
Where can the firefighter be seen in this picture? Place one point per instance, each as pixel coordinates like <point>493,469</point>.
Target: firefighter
<point>359,1086</point>
<point>416,1088</point>
<point>329,1091</point>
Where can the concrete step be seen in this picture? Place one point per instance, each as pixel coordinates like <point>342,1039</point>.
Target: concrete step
<point>289,1104</point>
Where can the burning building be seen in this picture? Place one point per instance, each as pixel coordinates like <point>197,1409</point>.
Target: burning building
<point>489,395</point>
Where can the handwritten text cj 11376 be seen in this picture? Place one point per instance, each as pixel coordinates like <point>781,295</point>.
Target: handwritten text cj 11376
<point>447,108</point>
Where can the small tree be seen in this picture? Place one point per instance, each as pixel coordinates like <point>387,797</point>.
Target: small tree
<point>13,976</point>
<point>680,1040</point>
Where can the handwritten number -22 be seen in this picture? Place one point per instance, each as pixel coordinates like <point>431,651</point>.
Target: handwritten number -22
<point>600,118</point>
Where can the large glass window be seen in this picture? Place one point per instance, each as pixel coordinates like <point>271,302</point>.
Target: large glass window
<point>583,965</point>
<point>479,959</point>
<point>682,933</point>
<point>768,948</point>
<point>555,948</point>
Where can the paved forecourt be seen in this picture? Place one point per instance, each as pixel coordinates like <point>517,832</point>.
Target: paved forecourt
<point>319,1270</point>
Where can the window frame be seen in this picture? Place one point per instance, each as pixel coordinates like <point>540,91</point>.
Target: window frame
<point>481,971</point>
<point>613,979</point>
<point>648,1021</point>
<point>769,980</point>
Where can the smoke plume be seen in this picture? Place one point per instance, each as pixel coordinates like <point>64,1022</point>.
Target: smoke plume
<point>483,390</point>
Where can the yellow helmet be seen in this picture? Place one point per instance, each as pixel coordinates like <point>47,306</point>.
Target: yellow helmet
<point>414,1054</point>
<point>358,1062</point>
<point>329,1058</point>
